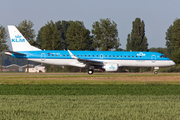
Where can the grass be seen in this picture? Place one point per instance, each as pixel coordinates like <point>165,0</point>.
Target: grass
<point>82,96</point>
<point>86,89</point>
<point>106,107</point>
<point>71,78</point>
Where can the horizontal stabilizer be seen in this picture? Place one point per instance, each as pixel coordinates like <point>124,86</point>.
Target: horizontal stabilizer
<point>14,52</point>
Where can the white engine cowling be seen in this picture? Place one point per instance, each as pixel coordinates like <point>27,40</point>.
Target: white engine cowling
<point>111,67</point>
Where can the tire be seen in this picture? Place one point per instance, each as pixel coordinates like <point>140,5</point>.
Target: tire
<point>90,72</point>
<point>155,72</point>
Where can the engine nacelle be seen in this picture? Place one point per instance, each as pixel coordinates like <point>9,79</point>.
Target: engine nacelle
<point>111,67</point>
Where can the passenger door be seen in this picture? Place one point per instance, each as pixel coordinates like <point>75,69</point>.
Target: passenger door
<point>43,56</point>
<point>153,58</point>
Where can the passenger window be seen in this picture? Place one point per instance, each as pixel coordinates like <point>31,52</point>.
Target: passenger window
<point>113,55</point>
<point>128,56</point>
<point>85,55</point>
<point>52,54</point>
<point>67,55</point>
<point>63,55</point>
<point>93,55</point>
<point>97,55</point>
<point>78,55</point>
<point>89,55</point>
<point>124,56</point>
<point>106,55</point>
<point>81,55</point>
<point>117,55</point>
<point>121,55</point>
<point>132,56</point>
<point>109,55</point>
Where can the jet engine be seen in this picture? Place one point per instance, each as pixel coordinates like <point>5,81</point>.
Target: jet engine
<point>110,67</point>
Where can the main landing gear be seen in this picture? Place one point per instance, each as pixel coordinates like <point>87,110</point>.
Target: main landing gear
<point>90,71</point>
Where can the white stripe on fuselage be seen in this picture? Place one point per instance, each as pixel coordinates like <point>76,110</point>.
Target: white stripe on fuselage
<point>121,63</point>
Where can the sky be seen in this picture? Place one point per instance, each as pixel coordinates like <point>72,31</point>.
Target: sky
<point>158,15</point>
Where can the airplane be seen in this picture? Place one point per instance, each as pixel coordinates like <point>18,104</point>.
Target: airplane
<point>108,61</point>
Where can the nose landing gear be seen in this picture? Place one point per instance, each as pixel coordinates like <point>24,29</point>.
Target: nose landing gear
<point>155,70</point>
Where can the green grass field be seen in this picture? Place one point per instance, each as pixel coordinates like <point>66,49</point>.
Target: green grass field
<point>80,96</point>
<point>87,89</point>
<point>106,107</point>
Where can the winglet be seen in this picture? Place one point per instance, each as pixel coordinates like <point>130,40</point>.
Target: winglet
<point>72,55</point>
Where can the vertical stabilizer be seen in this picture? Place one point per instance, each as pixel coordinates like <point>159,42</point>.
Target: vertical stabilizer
<point>18,42</point>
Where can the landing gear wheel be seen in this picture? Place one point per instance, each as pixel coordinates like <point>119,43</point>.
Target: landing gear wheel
<point>90,72</point>
<point>155,72</point>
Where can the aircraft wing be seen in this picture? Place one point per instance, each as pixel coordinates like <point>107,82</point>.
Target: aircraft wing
<point>90,62</point>
<point>87,61</point>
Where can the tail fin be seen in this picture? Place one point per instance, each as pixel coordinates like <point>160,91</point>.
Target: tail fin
<point>18,42</point>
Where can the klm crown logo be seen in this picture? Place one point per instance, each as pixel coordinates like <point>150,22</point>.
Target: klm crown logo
<point>111,67</point>
<point>141,54</point>
<point>17,36</point>
<point>18,39</point>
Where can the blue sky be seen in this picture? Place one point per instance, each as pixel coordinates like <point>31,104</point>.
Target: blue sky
<point>158,15</point>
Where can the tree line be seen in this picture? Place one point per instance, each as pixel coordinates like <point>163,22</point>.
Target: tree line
<point>73,35</point>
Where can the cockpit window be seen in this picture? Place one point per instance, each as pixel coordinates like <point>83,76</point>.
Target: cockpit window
<point>163,56</point>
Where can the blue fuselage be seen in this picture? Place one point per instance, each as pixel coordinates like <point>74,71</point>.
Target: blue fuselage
<point>102,55</point>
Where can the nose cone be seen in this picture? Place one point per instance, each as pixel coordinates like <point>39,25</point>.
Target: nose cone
<point>172,63</point>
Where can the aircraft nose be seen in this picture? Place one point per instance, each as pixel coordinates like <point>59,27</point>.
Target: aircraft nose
<point>172,62</point>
